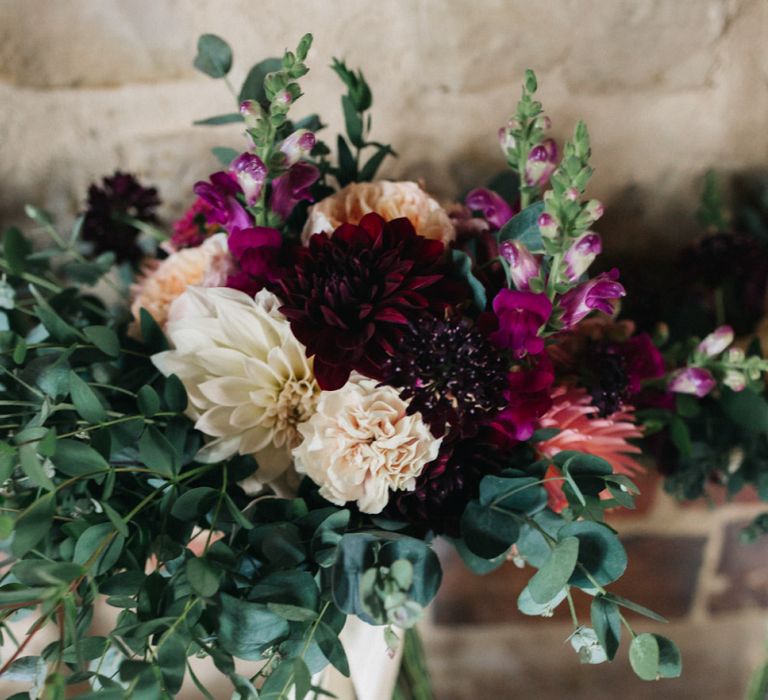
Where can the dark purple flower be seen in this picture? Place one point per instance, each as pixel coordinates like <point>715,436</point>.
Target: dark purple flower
<point>450,373</point>
<point>446,485</point>
<point>692,380</point>
<point>251,173</point>
<point>119,197</point>
<point>293,187</point>
<point>541,163</point>
<point>520,316</point>
<point>528,397</point>
<point>581,254</point>
<point>194,227</point>
<point>351,295</point>
<point>598,294</point>
<point>492,205</point>
<point>221,193</point>
<point>258,252</point>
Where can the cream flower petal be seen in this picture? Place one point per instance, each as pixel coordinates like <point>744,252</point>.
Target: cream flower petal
<point>249,383</point>
<point>361,444</point>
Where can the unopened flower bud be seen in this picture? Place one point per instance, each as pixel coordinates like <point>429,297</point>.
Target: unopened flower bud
<point>523,265</point>
<point>541,163</point>
<point>250,172</point>
<point>735,380</point>
<point>251,111</point>
<point>735,356</point>
<point>548,226</point>
<point>581,254</point>
<point>572,194</point>
<point>594,210</point>
<point>506,140</point>
<point>692,380</point>
<point>284,97</point>
<point>716,342</point>
<point>543,122</point>
<point>299,144</point>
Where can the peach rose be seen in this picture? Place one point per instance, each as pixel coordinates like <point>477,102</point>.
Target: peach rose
<point>391,200</point>
<point>164,281</point>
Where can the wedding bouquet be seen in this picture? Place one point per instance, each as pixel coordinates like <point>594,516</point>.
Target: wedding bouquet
<point>318,373</point>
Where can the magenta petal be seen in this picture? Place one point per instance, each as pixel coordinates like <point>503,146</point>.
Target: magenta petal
<point>493,207</point>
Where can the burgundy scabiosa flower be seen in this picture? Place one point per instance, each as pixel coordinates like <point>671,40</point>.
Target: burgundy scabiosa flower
<point>351,295</point>
<point>520,315</point>
<point>451,373</point>
<point>104,226</point>
<point>597,294</point>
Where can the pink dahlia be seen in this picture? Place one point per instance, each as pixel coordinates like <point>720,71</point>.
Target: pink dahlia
<point>581,430</point>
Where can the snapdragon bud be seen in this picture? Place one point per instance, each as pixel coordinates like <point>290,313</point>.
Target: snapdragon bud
<point>299,144</point>
<point>523,265</point>
<point>692,380</point>
<point>594,210</point>
<point>284,97</point>
<point>543,122</point>
<point>548,226</point>
<point>507,140</point>
<point>251,173</point>
<point>735,356</point>
<point>572,194</point>
<point>541,163</point>
<point>251,111</point>
<point>716,342</point>
<point>735,380</point>
<point>581,254</point>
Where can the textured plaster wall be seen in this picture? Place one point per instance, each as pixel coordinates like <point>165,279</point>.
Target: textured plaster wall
<point>668,88</point>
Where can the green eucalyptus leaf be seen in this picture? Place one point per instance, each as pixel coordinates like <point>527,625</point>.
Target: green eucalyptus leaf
<point>99,547</point>
<point>105,339</point>
<point>33,524</point>
<point>332,649</point>
<point>157,453</point>
<point>76,458</point>
<point>653,656</point>
<point>488,533</point>
<point>607,624</point>
<point>246,628</point>
<point>172,658</point>
<point>600,553</point>
<point>194,503</point>
<point>16,249</point>
<point>85,399</point>
<point>291,674</point>
<point>33,467</point>
<point>174,394</point>
<point>214,56</point>
<point>148,401</point>
<point>219,120</point>
<point>253,86</point>
<point>524,228</point>
<point>553,576</point>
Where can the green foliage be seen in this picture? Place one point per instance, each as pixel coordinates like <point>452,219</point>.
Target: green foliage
<point>352,167</point>
<point>214,56</point>
<point>524,228</point>
<point>711,213</point>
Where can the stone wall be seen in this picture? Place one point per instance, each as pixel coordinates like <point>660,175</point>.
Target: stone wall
<point>669,88</point>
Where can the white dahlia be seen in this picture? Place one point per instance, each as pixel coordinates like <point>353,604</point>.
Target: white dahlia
<point>361,444</point>
<point>249,381</point>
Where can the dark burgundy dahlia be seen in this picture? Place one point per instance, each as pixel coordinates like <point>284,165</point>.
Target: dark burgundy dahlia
<point>451,373</point>
<point>351,295</point>
<point>120,197</point>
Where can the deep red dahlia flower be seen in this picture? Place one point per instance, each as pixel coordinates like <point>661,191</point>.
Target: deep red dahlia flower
<point>351,295</point>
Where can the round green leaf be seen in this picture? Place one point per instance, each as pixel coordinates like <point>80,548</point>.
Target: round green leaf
<point>214,57</point>
<point>551,578</point>
<point>203,577</point>
<point>33,524</point>
<point>600,553</point>
<point>487,532</point>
